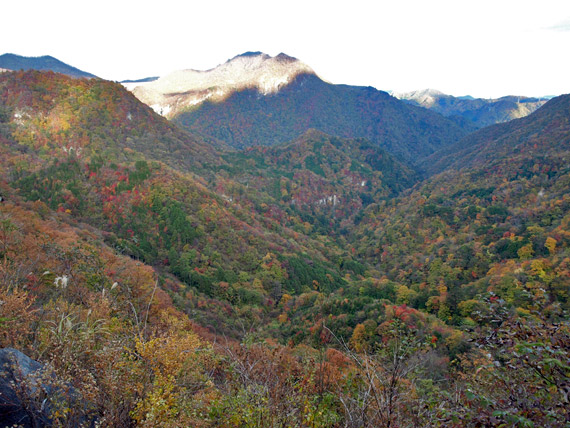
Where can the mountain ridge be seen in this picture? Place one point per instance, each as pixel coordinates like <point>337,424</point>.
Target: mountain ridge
<point>246,118</point>
<point>325,179</point>
<point>42,63</point>
<point>179,90</point>
<point>480,112</point>
<point>516,138</point>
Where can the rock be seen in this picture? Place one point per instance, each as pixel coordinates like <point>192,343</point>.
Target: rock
<point>30,392</point>
<point>19,380</point>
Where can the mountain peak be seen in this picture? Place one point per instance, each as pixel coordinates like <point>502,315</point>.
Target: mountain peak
<point>281,57</point>
<point>285,58</point>
<point>179,90</point>
<point>249,54</point>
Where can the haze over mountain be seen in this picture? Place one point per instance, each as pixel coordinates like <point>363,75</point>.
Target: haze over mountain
<point>477,111</point>
<point>43,63</point>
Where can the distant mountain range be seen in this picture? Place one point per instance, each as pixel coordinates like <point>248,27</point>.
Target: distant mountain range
<point>255,99</point>
<point>467,110</point>
<point>268,90</point>
<point>143,80</point>
<point>43,63</point>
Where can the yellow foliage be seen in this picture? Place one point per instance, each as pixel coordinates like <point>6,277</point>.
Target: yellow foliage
<point>538,267</point>
<point>357,341</point>
<point>257,284</point>
<point>170,359</point>
<point>285,299</point>
<point>159,407</point>
<point>550,244</point>
<point>523,312</point>
<point>467,307</point>
<point>525,252</point>
<point>454,339</point>
<point>168,355</point>
<point>405,295</point>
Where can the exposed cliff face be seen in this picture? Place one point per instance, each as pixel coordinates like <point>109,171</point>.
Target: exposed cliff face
<point>171,94</point>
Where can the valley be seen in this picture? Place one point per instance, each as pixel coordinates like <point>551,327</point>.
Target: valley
<point>254,246</point>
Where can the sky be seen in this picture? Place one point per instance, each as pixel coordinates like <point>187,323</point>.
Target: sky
<point>481,48</point>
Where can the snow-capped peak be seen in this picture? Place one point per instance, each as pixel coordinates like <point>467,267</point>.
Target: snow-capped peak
<point>172,93</point>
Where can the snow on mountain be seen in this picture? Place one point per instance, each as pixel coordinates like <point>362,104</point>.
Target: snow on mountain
<point>179,90</point>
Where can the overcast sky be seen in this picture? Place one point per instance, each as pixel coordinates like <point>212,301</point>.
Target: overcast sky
<point>482,48</point>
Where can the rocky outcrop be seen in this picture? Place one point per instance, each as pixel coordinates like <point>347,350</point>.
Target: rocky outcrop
<point>30,394</point>
<point>23,393</point>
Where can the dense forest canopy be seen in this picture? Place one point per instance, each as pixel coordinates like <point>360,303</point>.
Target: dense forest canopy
<point>162,278</point>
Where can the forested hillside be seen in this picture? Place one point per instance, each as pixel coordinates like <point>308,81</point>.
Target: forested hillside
<point>543,134</point>
<point>246,118</point>
<point>146,209</point>
<point>163,279</point>
<point>321,182</point>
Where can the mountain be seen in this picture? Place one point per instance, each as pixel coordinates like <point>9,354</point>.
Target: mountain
<point>90,149</point>
<point>544,133</point>
<point>479,112</point>
<point>176,92</point>
<point>254,99</point>
<point>42,63</point>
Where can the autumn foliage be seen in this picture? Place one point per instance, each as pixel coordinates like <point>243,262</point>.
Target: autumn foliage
<point>164,284</point>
